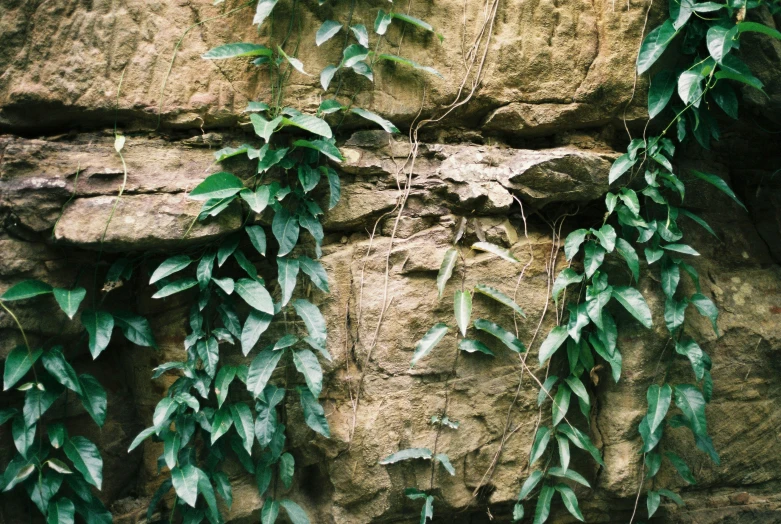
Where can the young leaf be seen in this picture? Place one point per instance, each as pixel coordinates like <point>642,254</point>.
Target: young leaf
<point>499,297</point>
<point>462,308</point>
<point>70,299</point>
<point>473,346</point>
<point>86,459</point>
<point>264,128</point>
<point>387,125</point>
<point>17,364</point>
<point>432,337</point>
<point>507,338</point>
<point>219,185</point>
<point>26,289</point>
<point>407,454</point>
<point>236,50</point>
<point>327,30</point>
<point>496,250</point>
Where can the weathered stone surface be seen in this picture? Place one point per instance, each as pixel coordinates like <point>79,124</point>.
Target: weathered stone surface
<point>535,143</point>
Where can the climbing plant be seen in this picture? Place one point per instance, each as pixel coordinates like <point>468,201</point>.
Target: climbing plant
<point>56,469</point>
<point>699,41</point>
<point>216,409</point>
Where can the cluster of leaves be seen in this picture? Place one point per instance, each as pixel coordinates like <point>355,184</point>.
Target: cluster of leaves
<point>55,468</point>
<point>646,212</point>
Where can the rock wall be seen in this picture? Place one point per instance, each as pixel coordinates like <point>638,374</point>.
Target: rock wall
<point>534,144</point>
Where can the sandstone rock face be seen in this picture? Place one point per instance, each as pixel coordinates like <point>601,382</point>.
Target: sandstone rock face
<point>531,149</point>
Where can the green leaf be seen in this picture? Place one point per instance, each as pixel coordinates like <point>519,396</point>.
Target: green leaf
<point>699,221</point>
<point>314,270</point>
<point>286,229</point>
<point>219,185</point>
<point>185,481</point>
<point>407,454</point>
<point>606,236</point>
<point>671,276</point>
<point>382,22</point>
<point>93,398</point>
<point>23,436</point>
<point>255,295</point>
<point>634,303</point>
<point>310,123</point>
<point>256,324</point>
<point>432,337</point>
<point>499,297</point>
<point>496,250</point>
<point>17,364</point>
<point>222,422</point>
<point>387,125</point>
<point>135,328</point>
<point>621,165</point>
<point>86,459</point>
<point>446,269</point>
<point>573,242</point>
<point>720,41</point>
<point>263,10</point>
<point>542,511</point>
<point>315,325</point>
<point>409,63</point>
<point>654,45</point>
<point>257,201</point>
<point>582,441</point>
<point>323,146</point>
<point>327,30</point>
<point>99,326</point>
<point>61,512</point>
<point>569,474</point>
<point>567,277</point>
<point>554,340</point>
<point>256,106</point>
<point>660,92</point>
<point>286,469</point>
<point>242,421</point>
<point>236,50</point>
<point>473,346</point>
<point>658,403</point>
<point>326,75</point>
<point>707,308</point>
<point>412,20</point>
<point>692,404</point>
<point>570,501</point>
<point>7,414</point>
<point>54,362</point>
<point>287,273</point>
<point>578,319</point>
<point>652,502</point>
<point>270,511</point>
<point>264,128</point>
<point>541,440</point>
<point>681,467</point>
<point>26,289</point>
<point>172,443</point>
<point>295,63</point>
<point>294,512</point>
<point>229,152</point>
<point>742,27</point>
<point>37,402</point>
<point>672,496</point>
<point>306,363</point>
<point>595,255</point>
<point>726,99</point>
<point>222,383</point>
<point>529,484</point>
<point>223,487</point>
<point>261,369</point>
<point>560,404</point>
<point>176,287</point>
<point>719,183</point>
<point>504,336</point>
<point>690,349</point>
<point>690,92</point>
<point>70,299</point>
<point>462,308</point>
<point>681,248</point>
<point>148,432</point>
<point>518,512</point>
<point>314,415</point>
<point>545,390</point>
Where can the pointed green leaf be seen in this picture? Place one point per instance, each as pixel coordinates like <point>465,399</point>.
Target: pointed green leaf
<point>446,269</point>
<point>327,30</point>
<point>17,364</point>
<point>496,250</point>
<point>499,297</point>
<point>554,340</point>
<point>219,185</point>
<point>185,481</point>
<point>634,303</point>
<point>462,308</point>
<point>260,371</point>
<point>507,338</point>
<point>429,340</point>
<point>306,363</point>
<point>70,299</point>
<point>86,459</point>
<point>236,50</point>
<point>99,326</point>
<point>255,295</point>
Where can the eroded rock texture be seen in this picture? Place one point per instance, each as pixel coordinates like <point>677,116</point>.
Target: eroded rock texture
<point>534,144</point>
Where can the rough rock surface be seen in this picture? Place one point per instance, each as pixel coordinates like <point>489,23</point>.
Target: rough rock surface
<point>535,143</point>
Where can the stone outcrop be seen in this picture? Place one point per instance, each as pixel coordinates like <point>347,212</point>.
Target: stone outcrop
<point>534,145</point>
